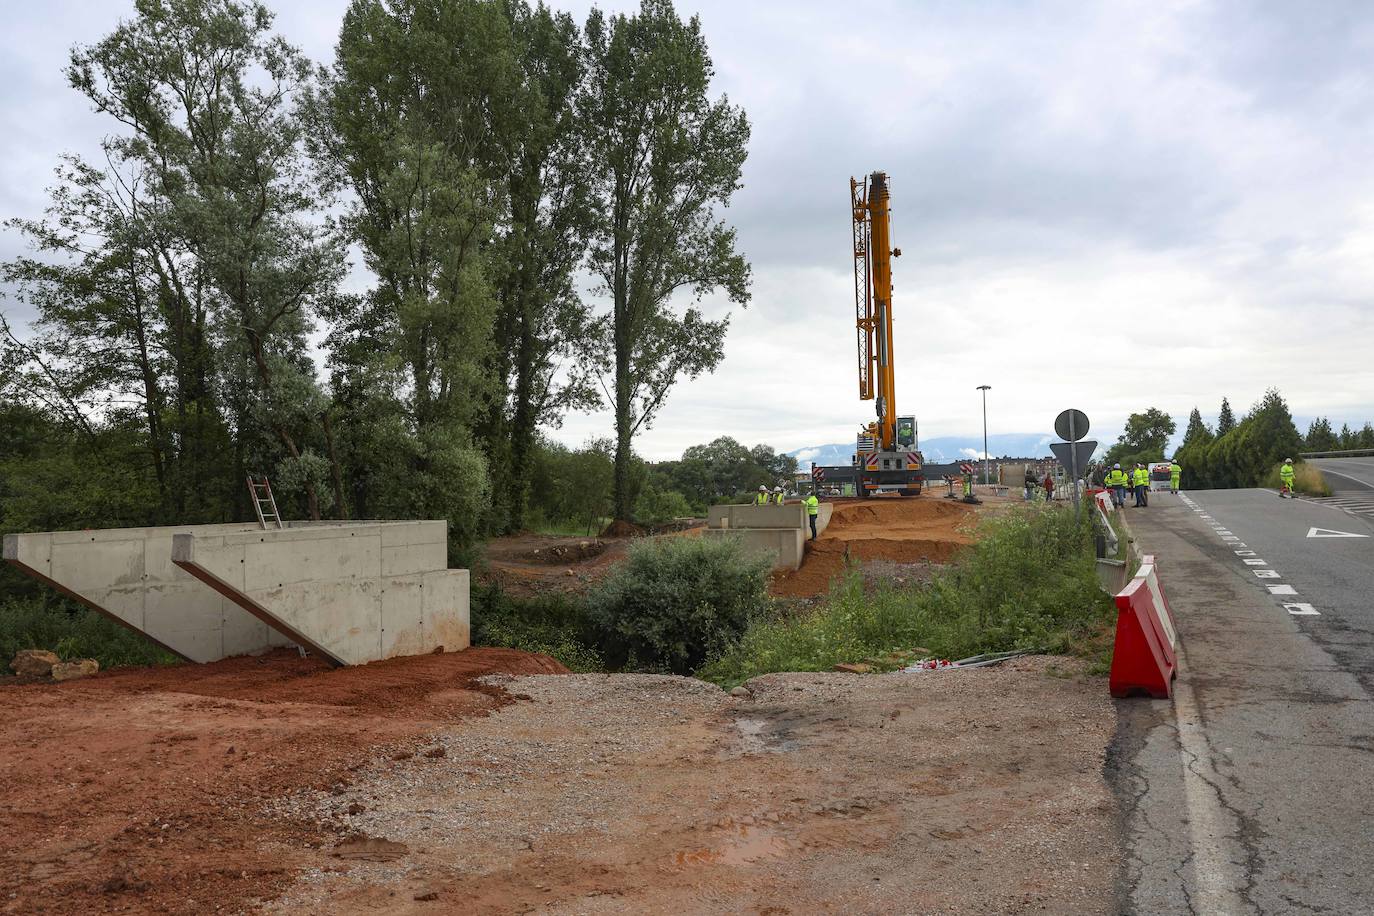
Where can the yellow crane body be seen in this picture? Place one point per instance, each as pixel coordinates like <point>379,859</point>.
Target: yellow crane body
<point>886,458</point>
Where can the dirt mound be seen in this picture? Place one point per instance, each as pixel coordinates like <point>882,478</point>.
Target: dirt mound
<point>622,529</point>
<point>901,531</point>
<point>563,554</point>
<point>144,789</point>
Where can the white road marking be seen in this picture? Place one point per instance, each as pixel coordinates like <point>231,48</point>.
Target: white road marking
<point>1230,537</point>
<point>1222,531</point>
<point>1281,590</point>
<point>1302,610</point>
<point>1329,533</point>
<point>1267,573</point>
<point>1245,553</point>
<point>1256,562</point>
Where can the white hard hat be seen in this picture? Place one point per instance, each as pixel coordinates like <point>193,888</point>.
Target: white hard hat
<point>1288,461</point>
<point>762,488</point>
<point>777,489</point>
<point>1117,466</point>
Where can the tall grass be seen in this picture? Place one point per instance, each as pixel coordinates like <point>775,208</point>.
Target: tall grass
<point>73,632</point>
<point>1028,583</point>
<point>1306,479</point>
<point>553,624</point>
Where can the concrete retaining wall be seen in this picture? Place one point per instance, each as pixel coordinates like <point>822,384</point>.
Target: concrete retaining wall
<point>783,545</point>
<point>790,515</point>
<point>354,592</point>
<point>127,574</point>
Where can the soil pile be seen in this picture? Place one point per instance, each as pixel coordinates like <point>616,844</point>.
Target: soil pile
<point>144,789</point>
<point>915,531</point>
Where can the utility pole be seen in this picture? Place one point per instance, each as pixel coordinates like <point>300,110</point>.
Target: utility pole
<point>984,389</point>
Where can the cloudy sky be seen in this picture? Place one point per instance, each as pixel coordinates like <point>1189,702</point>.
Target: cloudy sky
<point>1101,205</point>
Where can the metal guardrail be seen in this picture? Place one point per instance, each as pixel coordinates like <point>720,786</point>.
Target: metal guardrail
<point>1346,453</point>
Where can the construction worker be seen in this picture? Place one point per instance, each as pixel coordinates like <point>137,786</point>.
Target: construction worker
<point>1140,478</point>
<point>1175,475</point>
<point>762,498</point>
<point>1116,479</point>
<point>777,496</point>
<point>813,509</point>
<point>1286,478</point>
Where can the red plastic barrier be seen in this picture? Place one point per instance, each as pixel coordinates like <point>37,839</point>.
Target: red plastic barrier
<point>1145,657</point>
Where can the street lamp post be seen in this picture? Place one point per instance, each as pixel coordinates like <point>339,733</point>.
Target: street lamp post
<point>984,389</point>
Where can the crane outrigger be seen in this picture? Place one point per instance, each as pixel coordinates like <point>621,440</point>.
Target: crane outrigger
<point>886,459</point>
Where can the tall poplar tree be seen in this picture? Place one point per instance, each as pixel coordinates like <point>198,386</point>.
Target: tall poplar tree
<point>665,158</point>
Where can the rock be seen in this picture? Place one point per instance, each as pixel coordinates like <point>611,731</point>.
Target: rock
<point>427,895</point>
<point>741,691</point>
<point>70,671</point>
<point>355,809</point>
<point>435,753</point>
<point>854,668</point>
<point>34,663</point>
<point>569,572</point>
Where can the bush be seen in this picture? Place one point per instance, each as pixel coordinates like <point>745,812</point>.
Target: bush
<point>1029,583</point>
<point>676,601</point>
<point>552,624</point>
<point>73,632</point>
<point>1306,479</point>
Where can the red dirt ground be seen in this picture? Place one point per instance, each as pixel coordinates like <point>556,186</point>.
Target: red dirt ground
<point>899,530</point>
<point>141,790</point>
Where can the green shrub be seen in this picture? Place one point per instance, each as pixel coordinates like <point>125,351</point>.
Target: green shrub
<point>1028,583</point>
<point>552,624</point>
<point>1306,479</point>
<point>676,601</point>
<point>73,632</point>
<point>655,506</point>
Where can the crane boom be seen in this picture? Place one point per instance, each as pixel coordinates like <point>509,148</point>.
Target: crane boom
<point>886,459</point>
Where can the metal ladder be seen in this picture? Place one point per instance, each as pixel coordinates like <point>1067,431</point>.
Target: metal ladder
<point>260,492</point>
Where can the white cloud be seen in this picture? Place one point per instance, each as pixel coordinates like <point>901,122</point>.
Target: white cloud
<point>1105,206</point>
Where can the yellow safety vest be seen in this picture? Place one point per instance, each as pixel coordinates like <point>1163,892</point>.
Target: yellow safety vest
<point>761,499</point>
<point>813,506</point>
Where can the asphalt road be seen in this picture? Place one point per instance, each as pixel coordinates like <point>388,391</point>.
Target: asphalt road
<point>1249,793</point>
<point>1353,476</point>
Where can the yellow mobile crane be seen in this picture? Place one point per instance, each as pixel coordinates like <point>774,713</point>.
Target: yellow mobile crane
<point>886,459</point>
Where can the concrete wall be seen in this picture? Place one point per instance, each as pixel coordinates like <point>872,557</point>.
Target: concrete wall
<point>353,593</point>
<point>127,574</point>
<point>783,545</point>
<point>790,515</point>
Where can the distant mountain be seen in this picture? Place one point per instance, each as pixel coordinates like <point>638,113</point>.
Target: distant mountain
<point>939,450</point>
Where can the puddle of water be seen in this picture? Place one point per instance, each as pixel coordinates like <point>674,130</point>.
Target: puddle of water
<point>742,845</point>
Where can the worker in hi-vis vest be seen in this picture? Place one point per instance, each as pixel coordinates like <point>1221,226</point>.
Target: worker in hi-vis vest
<point>1175,475</point>
<point>1116,479</point>
<point>1286,478</point>
<point>1140,477</point>
<point>762,498</point>
<point>813,509</point>
<point>777,496</point>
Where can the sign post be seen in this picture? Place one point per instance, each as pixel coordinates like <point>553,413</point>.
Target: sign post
<point>1072,425</point>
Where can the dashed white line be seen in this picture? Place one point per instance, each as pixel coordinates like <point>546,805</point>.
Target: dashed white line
<point>1302,610</point>
<point>1248,562</point>
<point>1266,573</point>
<point>1281,590</point>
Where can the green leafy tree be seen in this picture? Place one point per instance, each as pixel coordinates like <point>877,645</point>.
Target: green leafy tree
<point>1320,437</point>
<point>1365,438</point>
<point>664,158</point>
<point>1197,431</point>
<point>208,100</point>
<point>1226,420</point>
<point>544,351</point>
<point>1144,439</point>
<point>412,121</point>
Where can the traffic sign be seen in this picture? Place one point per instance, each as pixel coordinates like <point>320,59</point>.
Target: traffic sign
<point>1071,425</point>
<point>1074,461</point>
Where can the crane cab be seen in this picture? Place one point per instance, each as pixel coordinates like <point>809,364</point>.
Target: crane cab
<point>879,471</point>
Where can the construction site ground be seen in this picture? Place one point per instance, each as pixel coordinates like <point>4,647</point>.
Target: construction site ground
<point>422,786</point>
<point>889,538</point>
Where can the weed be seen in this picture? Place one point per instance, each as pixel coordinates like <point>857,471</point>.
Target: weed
<point>72,631</point>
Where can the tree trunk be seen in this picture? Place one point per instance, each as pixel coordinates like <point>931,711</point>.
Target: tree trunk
<point>624,428</point>
<point>342,511</point>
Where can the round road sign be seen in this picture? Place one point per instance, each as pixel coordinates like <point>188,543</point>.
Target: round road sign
<point>1071,425</point>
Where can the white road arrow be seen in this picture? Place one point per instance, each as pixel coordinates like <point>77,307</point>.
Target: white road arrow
<point>1328,533</point>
